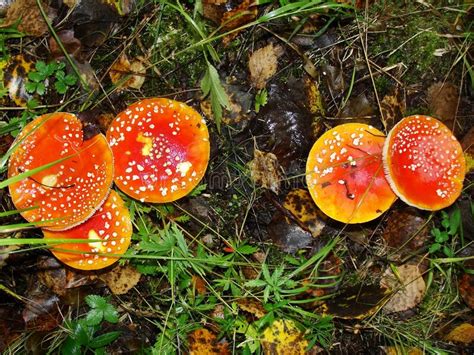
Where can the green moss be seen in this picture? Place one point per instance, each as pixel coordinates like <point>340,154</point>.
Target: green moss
<point>413,40</point>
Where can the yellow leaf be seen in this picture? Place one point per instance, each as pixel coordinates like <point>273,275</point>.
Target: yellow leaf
<point>283,338</point>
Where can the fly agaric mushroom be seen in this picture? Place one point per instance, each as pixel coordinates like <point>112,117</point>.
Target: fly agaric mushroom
<point>110,226</point>
<point>161,149</point>
<point>345,176</point>
<point>424,163</point>
<point>70,191</point>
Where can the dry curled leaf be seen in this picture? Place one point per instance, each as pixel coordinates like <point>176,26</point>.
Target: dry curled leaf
<point>463,334</point>
<point>265,170</point>
<point>30,19</point>
<point>124,67</point>
<point>301,205</point>
<point>407,285</point>
<point>204,342</point>
<point>263,64</point>
<point>121,279</point>
<point>283,338</point>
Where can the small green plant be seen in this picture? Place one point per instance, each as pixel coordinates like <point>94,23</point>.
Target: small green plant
<point>450,224</point>
<point>37,79</point>
<point>211,86</point>
<point>261,99</point>
<point>274,284</point>
<point>82,336</point>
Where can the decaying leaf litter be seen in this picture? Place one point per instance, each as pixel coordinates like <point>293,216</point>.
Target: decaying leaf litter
<point>246,263</point>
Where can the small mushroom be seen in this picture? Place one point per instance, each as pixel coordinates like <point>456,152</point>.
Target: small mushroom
<point>111,224</point>
<point>424,163</point>
<point>161,149</point>
<point>69,192</point>
<point>345,176</point>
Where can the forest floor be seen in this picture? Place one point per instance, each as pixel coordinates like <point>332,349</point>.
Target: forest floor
<point>247,263</point>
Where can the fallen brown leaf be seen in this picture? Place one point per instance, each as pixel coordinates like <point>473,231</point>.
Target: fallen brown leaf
<point>252,306</point>
<point>408,287</point>
<point>301,205</point>
<point>31,20</point>
<point>406,230</point>
<point>121,279</point>
<point>122,68</point>
<point>265,170</point>
<point>443,99</point>
<point>393,108</point>
<point>466,289</point>
<point>263,64</point>
<point>199,285</point>
<point>356,302</point>
<point>204,342</point>
<point>15,78</point>
<point>463,333</point>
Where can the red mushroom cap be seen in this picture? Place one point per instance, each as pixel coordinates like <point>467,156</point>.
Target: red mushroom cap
<point>424,163</point>
<point>68,192</point>
<point>161,149</point>
<point>345,176</point>
<point>111,224</point>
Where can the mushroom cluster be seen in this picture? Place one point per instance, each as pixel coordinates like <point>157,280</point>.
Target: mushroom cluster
<point>156,150</point>
<point>354,173</point>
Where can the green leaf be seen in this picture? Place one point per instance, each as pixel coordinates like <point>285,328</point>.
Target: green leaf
<point>94,316</point>
<point>40,89</point>
<point>261,99</point>
<point>110,314</point>
<point>35,76</point>
<point>41,66</point>
<point>32,104</point>
<point>211,86</point>
<point>454,221</point>
<point>246,249</point>
<point>71,347</point>
<point>60,75</point>
<point>198,190</point>
<point>96,301</point>
<point>448,252</point>
<point>60,87</point>
<point>104,339</point>
<point>255,283</point>
<point>434,248</point>
<point>70,80</point>
<point>30,86</point>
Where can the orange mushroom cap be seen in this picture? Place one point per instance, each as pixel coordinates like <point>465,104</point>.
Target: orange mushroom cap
<point>111,224</point>
<point>424,163</point>
<point>68,192</point>
<point>161,149</point>
<point>345,176</point>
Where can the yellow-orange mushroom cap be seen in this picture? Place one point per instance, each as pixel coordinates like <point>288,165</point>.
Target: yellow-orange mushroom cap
<point>345,175</point>
<point>110,225</point>
<point>424,163</point>
<point>69,192</point>
<point>161,149</point>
